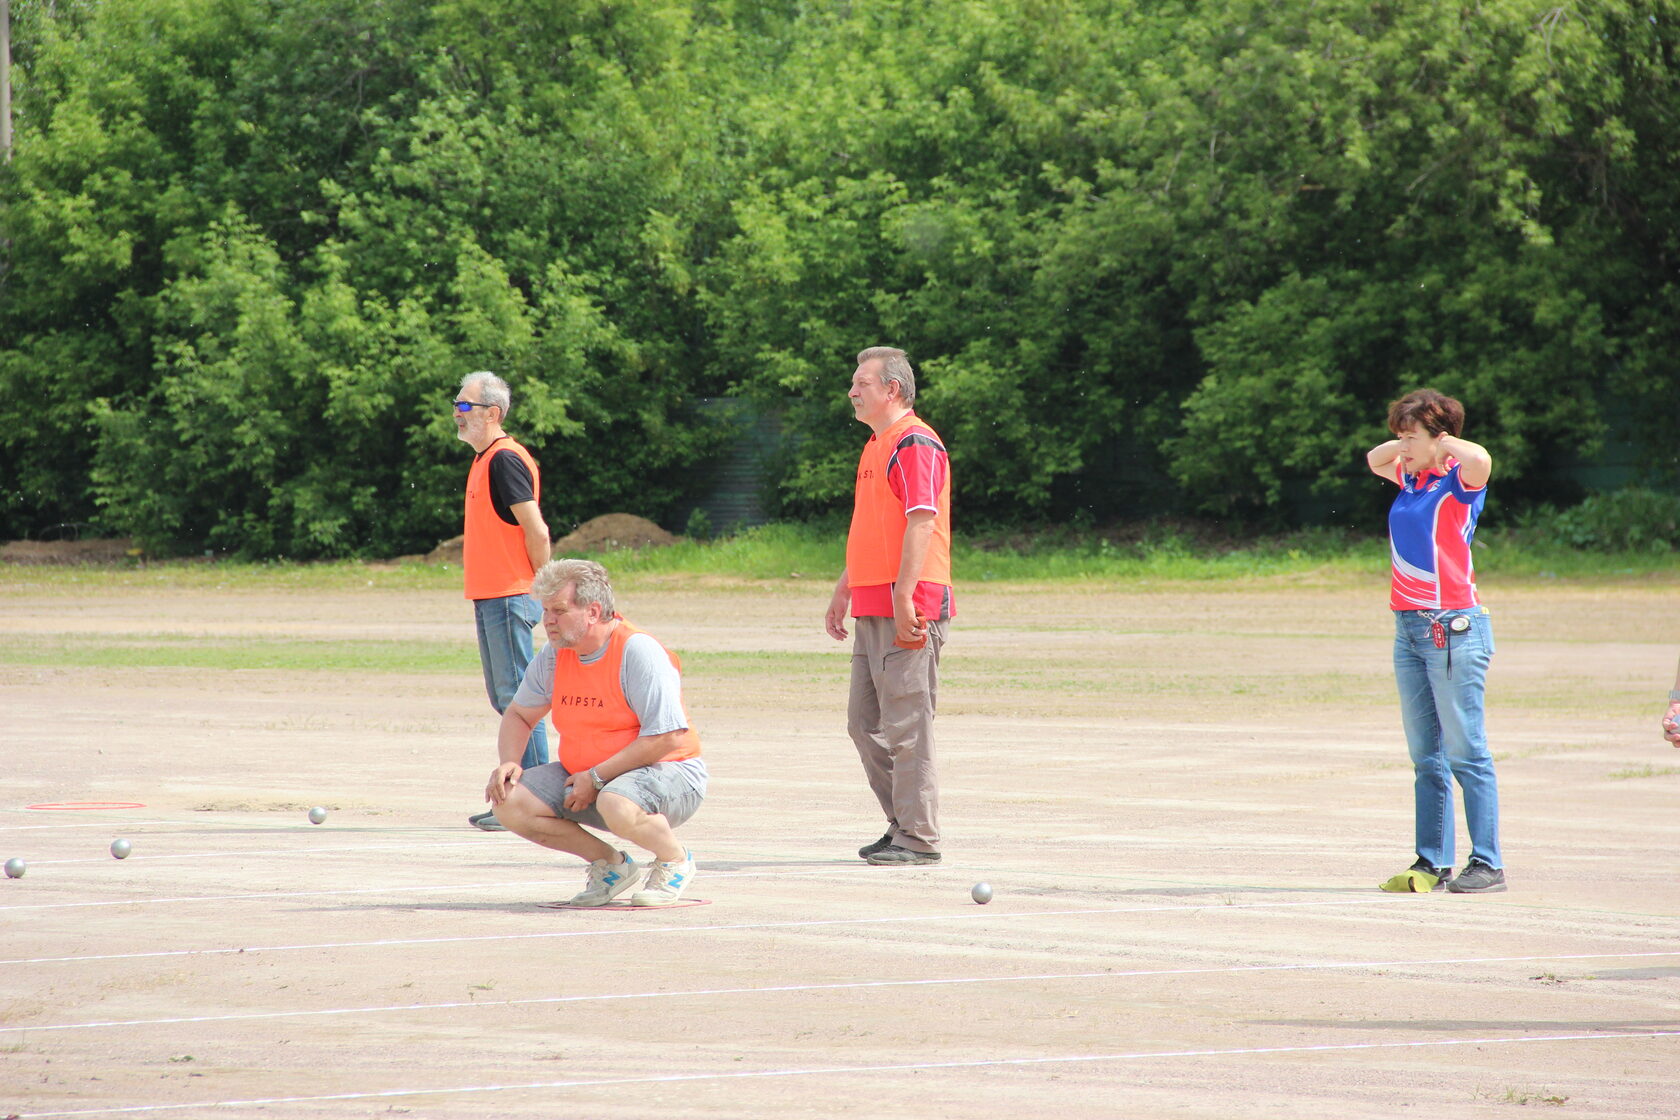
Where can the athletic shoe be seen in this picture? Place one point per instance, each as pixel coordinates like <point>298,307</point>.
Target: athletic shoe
<point>1419,878</point>
<point>606,882</point>
<point>665,882</point>
<point>1478,878</point>
<point>870,849</point>
<point>487,821</point>
<point>894,856</point>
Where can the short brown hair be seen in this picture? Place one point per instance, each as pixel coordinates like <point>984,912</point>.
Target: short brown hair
<point>1434,412</point>
<point>895,366</point>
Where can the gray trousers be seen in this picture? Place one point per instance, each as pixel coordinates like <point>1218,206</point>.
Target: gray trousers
<point>890,718</point>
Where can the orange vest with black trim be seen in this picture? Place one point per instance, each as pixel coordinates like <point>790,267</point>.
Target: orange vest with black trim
<point>875,544</point>
<point>590,712</point>
<point>493,552</point>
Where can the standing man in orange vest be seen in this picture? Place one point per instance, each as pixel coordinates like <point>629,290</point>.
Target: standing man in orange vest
<point>630,759</point>
<point>505,542</point>
<point>897,582</point>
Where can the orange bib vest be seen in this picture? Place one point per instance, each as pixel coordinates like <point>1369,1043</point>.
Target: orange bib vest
<point>590,712</point>
<point>493,552</point>
<point>875,544</point>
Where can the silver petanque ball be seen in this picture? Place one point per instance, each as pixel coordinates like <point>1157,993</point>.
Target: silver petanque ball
<point>121,848</point>
<point>981,893</point>
<point>317,815</point>
<point>15,867</point>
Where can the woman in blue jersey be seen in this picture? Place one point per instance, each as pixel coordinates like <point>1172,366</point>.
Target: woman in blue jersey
<point>1443,638</point>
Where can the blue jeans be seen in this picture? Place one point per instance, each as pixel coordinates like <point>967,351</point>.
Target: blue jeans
<point>1441,710</point>
<point>504,649</point>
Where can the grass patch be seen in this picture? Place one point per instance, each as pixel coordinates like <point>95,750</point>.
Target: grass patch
<point>1145,554</point>
<point>1644,772</point>
<point>231,575</point>
<point>1150,552</point>
<point>175,651</point>
<point>1524,1097</point>
<point>785,667</point>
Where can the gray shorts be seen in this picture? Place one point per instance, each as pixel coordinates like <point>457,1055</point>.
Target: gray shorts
<point>673,789</point>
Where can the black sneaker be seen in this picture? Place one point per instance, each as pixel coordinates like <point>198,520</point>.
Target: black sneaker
<point>1420,878</point>
<point>487,821</point>
<point>1478,878</point>
<point>1443,875</point>
<point>870,849</point>
<point>894,855</point>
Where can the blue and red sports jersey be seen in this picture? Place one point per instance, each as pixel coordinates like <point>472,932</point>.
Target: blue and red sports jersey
<point>1430,526</point>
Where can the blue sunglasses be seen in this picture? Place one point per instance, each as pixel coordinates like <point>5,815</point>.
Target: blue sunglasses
<point>468,406</point>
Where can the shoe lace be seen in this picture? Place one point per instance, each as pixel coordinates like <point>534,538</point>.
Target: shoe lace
<point>600,869</point>
<point>657,877</point>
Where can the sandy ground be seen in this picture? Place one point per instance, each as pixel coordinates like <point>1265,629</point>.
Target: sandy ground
<point>1183,799</point>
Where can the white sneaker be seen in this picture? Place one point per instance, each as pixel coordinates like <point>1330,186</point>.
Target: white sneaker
<point>665,882</point>
<point>606,882</point>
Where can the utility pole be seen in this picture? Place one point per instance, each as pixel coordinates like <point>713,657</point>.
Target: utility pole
<point>6,80</point>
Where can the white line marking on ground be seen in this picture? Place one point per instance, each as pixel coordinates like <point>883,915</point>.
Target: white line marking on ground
<point>126,822</point>
<point>265,895</point>
<point>619,930</point>
<point>825,1071</point>
<point>845,985</point>
<point>243,853</point>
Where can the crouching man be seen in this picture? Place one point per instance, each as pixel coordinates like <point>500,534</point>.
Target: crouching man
<point>629,758</point>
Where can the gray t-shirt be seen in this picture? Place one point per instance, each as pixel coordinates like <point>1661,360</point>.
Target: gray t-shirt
<point>651,684</point>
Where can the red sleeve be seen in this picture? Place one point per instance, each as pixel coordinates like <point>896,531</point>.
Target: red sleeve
<point>917,473</point>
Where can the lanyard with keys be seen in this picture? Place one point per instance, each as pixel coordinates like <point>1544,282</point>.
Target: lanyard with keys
<point>1439,634</point>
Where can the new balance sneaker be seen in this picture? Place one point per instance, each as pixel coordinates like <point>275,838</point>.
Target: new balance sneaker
<point>606,882</point>
<point>1420,878</point>
<point>487,821</point>
<point>870,849</point>
<point>1478,878</point>
<point>665,882</point>
<point>893,855</point>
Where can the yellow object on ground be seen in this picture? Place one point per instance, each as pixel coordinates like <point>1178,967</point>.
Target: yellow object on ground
<point>1410,882</point>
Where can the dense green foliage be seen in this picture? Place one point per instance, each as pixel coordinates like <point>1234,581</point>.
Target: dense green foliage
<point>1627,521</point>
<point>1170,252</point>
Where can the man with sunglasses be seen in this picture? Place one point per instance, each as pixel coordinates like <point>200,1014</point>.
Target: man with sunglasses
<point>505,542</point>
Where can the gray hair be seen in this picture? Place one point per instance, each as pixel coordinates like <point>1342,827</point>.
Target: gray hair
<point>587,579</point>
<point>895,366</point>
<point>495,390</point>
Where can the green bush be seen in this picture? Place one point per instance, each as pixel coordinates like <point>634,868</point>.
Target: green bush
<point>1631,520</point>
<point>1148,258</point>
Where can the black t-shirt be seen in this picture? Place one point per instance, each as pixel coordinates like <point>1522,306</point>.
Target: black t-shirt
<point>510,484</point>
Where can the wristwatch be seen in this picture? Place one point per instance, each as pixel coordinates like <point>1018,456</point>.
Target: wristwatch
<point>1673,695</point>
<point>596,779</point>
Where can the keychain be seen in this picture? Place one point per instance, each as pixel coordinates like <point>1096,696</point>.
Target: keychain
<point>1458,624</point>
<point>1438,634</point>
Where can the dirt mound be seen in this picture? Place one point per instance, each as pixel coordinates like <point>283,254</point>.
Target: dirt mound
<point>448,552</point>
<point>610,531</point>
<point>114,551</point>
<point>598,534</point>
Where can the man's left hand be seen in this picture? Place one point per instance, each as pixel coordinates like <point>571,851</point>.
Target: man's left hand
<point>1671,723</point>
<point>580,795</point>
